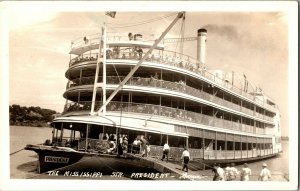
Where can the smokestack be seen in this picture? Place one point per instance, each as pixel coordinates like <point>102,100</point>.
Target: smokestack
<point>201,46</point>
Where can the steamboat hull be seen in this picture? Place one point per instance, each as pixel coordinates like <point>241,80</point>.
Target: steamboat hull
<point>87,164</point>
<point>51,158</point>
<point>202,164</point>
<point>83,164</point>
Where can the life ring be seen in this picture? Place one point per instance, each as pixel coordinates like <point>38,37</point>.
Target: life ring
<point>112,145</point>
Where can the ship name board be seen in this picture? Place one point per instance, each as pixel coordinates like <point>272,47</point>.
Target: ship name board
<point>56,159</point>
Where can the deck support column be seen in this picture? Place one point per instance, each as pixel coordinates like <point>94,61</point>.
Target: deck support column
<point>216,145</point>
<point>252,146</point>
<point>241,146</point>
<point>56,134</point>
<point>225,146</point>
<point>264,146</point>
<point>80,77</point>
<point>61,131</point>
<point>203,145</point>
<point>187,139</point>
<point>78,98</point>
<point>161,139</point>
<point>86,137</point>
<point>233,147</point>
<point>187,143</point>
<point>53,130</point>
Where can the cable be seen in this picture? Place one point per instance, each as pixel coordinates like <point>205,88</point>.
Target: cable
<point>146,22</point>
<point>16,151</point>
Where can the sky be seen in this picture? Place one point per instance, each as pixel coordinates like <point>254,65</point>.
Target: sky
<point>254,43</point>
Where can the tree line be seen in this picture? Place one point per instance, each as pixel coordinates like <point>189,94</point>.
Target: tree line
<point>30,116</point>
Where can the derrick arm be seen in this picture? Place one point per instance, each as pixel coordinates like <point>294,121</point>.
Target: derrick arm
<point>180,15</point>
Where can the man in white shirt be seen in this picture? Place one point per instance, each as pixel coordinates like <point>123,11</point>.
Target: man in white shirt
<point>219,174</point>
<point>265,174</point>
<point>246,172</point>
<point>186,158</point>
<point>232,173</point>
<point>166,151</point>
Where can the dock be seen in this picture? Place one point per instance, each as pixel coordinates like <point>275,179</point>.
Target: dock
<point>172,167</point>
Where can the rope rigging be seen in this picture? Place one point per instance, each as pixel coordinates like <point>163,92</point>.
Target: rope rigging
<point>180,40</point>
<point>16,151</point>
<point>144,22</point>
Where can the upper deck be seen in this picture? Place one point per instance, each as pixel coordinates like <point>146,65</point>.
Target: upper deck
<point>91,42</point>
<point>85,48</point>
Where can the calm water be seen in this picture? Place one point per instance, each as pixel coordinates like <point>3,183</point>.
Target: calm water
<point>21,135</point>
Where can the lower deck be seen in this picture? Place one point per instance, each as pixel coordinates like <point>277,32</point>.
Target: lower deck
<point>210,145</point>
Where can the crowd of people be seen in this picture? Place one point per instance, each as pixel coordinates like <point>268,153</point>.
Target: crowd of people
<point>230,173</point>
<point>141,146</point>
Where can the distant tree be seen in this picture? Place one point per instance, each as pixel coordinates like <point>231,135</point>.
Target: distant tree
<point>19,113</point>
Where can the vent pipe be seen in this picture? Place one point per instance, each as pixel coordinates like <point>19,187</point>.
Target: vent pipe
<point>201,46</point>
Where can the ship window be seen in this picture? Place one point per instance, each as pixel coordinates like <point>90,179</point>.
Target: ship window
<point>237,146</point>
<point>229,145</point>
<point>153,138</point>
<point>249,146</point>
<point>195,142</point>
<point>176,141</point>
<point>220,145</point>
<point>244,146</point>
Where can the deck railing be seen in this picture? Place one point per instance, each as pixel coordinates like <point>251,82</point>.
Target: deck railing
<point>174,86</point>
<point>177,60</point>
<point>105,146</point>
<point>156,110</point>
<point>175,153</point>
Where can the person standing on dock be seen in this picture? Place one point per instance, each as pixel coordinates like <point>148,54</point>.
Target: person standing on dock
<point>166,151</point>
<point>232,173</point>
<point>246,172</point>
<point>265,174</point>
<point>186,158</point>
<point>218,173</point>
<point>226,173</point>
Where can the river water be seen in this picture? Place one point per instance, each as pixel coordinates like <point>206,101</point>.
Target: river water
<point>23,164</point>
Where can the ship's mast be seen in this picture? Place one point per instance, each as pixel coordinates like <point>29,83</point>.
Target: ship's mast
<point>99,60</point>
<point>180,15</point>
<point>104,70</point>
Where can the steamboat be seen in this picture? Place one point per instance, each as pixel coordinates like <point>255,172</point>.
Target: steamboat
<point>126,90</point>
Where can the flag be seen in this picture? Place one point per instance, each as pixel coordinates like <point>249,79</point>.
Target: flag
<point>112,14</point>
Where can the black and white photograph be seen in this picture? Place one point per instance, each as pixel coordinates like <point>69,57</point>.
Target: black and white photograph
<point>149,95</point>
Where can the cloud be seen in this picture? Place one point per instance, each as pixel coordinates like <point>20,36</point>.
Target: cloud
<point>228,31</point>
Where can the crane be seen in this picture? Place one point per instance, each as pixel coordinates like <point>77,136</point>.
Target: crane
<point>129,75</point>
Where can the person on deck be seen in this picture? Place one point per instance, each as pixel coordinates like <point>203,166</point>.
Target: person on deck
<point>130,36</point>
<point>120,148</point>
<point>265,174</point>
<point>144,143</point>
<point>186,158</point>
<point>166,151</point>
<point>125,144</point>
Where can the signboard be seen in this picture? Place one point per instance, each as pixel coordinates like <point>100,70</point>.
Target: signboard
<point>56,159</point>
